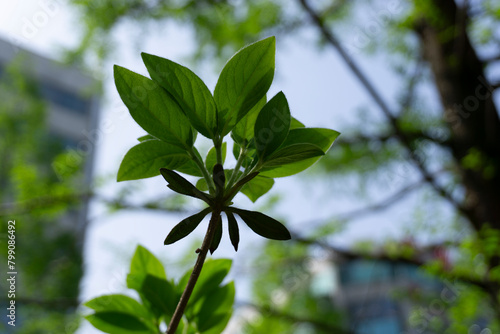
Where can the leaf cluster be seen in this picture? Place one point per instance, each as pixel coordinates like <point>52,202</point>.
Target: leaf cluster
<point>175,105</point>
<point>208,311</point>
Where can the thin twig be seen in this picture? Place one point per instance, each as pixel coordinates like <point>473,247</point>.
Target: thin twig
<point>181,306</point>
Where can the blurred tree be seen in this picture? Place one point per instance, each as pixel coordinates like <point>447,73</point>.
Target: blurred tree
<point>48,257</point>
<point>445,149</point>
<point>43,190</point>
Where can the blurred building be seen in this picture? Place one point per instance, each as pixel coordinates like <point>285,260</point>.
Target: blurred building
<point>49,246</point>
<point>380,295</point>
<point>72,109</point>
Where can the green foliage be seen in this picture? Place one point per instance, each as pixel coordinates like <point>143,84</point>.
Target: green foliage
<point>147,103</point>
<point>268,142</point>
<point>41,188</point>
<point>208,312</point>
<point>146,159</point>
<point>244,81</point>
<point>283,293</point>
<point>188,90</point>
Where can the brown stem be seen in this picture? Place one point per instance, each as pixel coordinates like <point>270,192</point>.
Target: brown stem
<point>181,306</point>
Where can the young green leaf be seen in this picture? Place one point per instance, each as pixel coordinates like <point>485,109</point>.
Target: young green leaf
<point>257,187</point>
<point>244,80</point>
<point>272,125</point>
<point>243,130</point>
<point>217,237</point>
<point>188,90</point>
<point>202,184</point>
<point>190,168</point>
<point>143,263</point>
<point>118,323</point>
<point>211,158</point>
<point>118,303</point>
<point>145,160</point>
<point>322,138</point>
<point>212,275</point>
<point>153,108</point>
<point>186,226</point>
<point>146,137</point>
<point>160,294</point>
<point>291,154</point>
<point>119,314</point>
<point>215,308</point>
<point>263,225</point>
<point>182,186</point>
<point>234,232</point>
<point>296,124</point>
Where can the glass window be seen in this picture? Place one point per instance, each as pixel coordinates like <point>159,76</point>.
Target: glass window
<point>388,325</point>
<point>63,98</point>
<point>365,271</point>
<point>373,316</point>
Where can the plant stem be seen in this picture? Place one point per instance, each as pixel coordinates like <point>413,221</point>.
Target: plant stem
<point>181,306</point>
<point>218,149</point>
<point>236,169</point>
<point>204,171</point>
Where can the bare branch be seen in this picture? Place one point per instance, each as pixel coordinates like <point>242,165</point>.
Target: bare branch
<point>269,311</point>
<point>397,196</point>
<point>333,41</point>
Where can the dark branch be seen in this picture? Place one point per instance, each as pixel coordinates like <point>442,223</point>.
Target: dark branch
<point>400,134</point>
<point>397,196</point>
<point>269,311</point>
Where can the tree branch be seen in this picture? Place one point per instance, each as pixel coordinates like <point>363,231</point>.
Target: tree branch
<point>269,311</point>
<point>397,196</point>
<point>400,134</point>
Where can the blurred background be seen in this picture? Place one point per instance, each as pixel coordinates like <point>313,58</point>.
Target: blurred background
<point>396,230</point>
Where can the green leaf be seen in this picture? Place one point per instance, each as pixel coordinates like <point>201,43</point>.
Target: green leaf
<point>217,237</point>
<point>234,232</point>
<point>190,168</point>
<point>296,124</point>
<point>257,187</point>
<point>186,226</point>
<point>202,184</point>
<point>118,303</point>
<point>118,323</point>
<point>244,80</point>
<point>116,313</point>
<point>291,154</point>
<point>245,127</point>
<point>263,225</point>
<point>212,275</point>
<point>143,263</point>
<point>145,160</point>
<point>211,158</point>
<point>215,307</point>
<point>188,90</point>
<point>182,186</point>
<point>161,294</point>
<point>272,125</point>
<point>146,137</point>
<point>323,138</point>
<point>153,108</point>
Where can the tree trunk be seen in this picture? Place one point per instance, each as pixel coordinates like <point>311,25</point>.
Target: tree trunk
<point>467,99</point>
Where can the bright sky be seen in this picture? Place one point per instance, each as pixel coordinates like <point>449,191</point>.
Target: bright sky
<point>320,90</point>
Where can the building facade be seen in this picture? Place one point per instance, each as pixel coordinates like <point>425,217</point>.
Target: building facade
<point>48,112</point>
